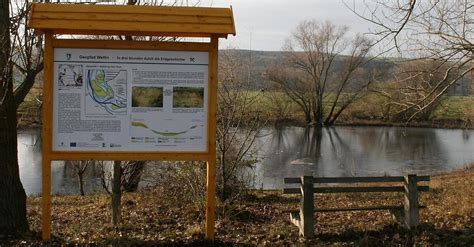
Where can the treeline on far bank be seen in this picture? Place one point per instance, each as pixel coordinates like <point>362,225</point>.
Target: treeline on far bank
<point>275,108</point>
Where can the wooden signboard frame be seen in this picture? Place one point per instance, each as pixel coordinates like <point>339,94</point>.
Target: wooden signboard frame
<point>53,19</point>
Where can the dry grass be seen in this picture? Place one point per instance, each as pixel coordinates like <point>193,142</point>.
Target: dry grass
<point>453,193</point>
<point>151,217</point>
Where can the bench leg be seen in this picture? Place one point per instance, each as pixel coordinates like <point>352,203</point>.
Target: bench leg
<point>398,215</point>
<point>307,207</point>
<point>411,210</point>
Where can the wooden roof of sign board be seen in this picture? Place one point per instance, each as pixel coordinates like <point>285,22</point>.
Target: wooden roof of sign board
<point>131,20</point>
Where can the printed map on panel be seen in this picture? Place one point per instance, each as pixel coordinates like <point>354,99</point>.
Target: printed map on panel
<point>106,92</point>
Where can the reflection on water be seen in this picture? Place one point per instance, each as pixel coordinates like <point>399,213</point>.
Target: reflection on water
<point>63,177</point>
<point>29,155</point>
<point>360,151</point>
<point>294,151</point>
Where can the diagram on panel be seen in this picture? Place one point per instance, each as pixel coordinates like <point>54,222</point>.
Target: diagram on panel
<point>106,92</point>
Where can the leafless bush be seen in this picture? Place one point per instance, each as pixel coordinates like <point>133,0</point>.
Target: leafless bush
<point>80,168</point>
<point>279,104</point>
<point>130,178</point>
<point>183,181</point>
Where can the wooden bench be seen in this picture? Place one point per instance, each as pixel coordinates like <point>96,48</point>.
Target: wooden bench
<point>407,214</point>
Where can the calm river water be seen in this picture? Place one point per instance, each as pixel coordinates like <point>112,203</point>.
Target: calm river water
<point>295,151</point>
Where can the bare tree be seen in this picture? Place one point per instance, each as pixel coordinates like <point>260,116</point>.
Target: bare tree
<point>279,104</point>
<point>21,51</point>
<point>437,30</point>
<point>238,122</point>
<point>413,81</point>
<point>80,167</point>
<point>117,177</point>
<point>295,85</point>
<point>315,72</point>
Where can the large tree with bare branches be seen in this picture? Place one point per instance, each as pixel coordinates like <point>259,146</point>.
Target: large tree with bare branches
<point>314,70</point>
<point>440,33</point>
<point>20,51</point>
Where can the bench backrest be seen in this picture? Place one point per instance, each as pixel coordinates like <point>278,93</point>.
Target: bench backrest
<point>351,180</point>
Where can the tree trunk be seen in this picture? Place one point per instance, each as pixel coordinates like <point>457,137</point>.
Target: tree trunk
<point>116,193</point>
<point>307,115</point>
<point>131,175</point>
<point>12,195</point>
<point>224,180</point>
<point>318,112</point>
<point>81,183</point>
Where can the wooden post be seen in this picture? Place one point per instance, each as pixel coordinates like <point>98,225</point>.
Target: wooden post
<point>117,193</point>
<point>46,200</point>
<point>211,200</point>
<point>46,145</point>
<point>411,210</point>
<point>212,129</point>
<point>307,207</point>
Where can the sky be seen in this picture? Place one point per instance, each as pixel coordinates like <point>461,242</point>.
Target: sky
<point>265,24</point>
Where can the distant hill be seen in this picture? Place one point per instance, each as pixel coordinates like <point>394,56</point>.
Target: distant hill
<point>260,60</point>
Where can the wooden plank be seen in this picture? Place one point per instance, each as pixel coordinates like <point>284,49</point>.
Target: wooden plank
<point>342,189</point>
<point>348,179</point>
<point>352,189</point>
<point>423,188</point>
<point>382,207</point>
<point>355,179</point>
<point>125,9</point>
<point>423,178</point>
<point>372,208</point>
<point>291,180</point>
<point>128,44</point>
<point>131,20</point>
<point>129,33</point>
<point>127,156</point>
<point>47,142</point>
<point>131,26</point>
<point>358,179</point>
<point>132,17</point>
<point>291,191</point>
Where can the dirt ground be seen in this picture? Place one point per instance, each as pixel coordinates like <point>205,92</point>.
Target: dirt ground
<point>260,218</point>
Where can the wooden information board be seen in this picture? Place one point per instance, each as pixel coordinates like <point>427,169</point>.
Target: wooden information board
<point>93,103</point>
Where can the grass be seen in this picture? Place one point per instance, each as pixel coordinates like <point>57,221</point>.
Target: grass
<point>152,217</point>
<point>452,111</point>
<point>455,108</point>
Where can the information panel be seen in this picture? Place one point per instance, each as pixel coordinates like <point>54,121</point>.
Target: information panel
<point>130,100</point>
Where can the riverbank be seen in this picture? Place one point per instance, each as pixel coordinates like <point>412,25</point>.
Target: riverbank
<point>454,112</point>
<point>152,217</point>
